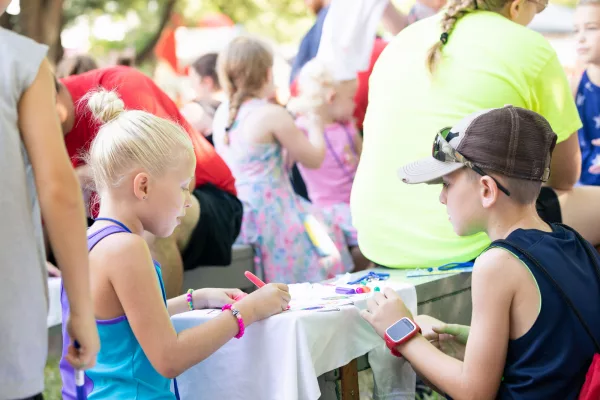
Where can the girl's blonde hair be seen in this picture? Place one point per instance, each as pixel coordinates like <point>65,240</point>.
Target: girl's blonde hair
<point>455,10</point>
<point>314,80</point>
<point>131,139</point>
<point>243,69</point>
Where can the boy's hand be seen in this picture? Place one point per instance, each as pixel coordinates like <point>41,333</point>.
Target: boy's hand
<point>83,329</point>
<point>384,309</point>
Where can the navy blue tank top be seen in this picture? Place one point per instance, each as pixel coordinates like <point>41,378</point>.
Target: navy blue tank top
<point>551,360</point>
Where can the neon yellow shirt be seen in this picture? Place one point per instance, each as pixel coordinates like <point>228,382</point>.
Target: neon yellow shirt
<point>488,62</point>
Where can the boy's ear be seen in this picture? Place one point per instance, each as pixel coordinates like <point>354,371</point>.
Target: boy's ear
<point>488,191</point>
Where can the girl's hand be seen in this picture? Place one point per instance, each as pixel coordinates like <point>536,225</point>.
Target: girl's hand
<point>271,299</point>
<point>216,298</point>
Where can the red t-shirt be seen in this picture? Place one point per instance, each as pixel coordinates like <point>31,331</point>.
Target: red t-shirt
<point>361,100</point>
<point>138,92</point>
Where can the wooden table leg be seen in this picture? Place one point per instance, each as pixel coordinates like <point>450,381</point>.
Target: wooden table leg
<point>349,378</point>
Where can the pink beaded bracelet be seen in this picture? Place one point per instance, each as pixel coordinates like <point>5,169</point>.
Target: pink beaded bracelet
<point>239,318</point>
<point>190,299</point>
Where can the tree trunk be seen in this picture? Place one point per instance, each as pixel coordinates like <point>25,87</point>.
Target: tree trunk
<point>165,17</point>
<point>42,21</point>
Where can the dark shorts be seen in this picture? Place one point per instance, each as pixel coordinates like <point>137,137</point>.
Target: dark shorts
<point>548,207</point>
<point>220,223</point>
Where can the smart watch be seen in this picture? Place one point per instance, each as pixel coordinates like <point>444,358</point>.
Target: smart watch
<point>400,332</point>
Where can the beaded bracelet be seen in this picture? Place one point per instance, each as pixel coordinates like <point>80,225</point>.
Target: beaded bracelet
<point>239,318</point>
<point>190,300</point>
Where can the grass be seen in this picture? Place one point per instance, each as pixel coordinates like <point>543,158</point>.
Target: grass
<point>53,383</point>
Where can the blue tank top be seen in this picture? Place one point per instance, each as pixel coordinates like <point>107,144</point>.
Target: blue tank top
<point>588,105</point>
<point>122,370</point>
<point>551,360</point>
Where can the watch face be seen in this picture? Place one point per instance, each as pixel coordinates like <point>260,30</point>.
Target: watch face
<point>400,329</point>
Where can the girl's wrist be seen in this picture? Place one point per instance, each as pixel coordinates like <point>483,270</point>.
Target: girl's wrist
<point>198,299</point>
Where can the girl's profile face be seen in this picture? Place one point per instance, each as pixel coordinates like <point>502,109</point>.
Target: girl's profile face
<point>169,197</point>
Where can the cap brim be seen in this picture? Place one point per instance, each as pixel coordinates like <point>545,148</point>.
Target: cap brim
<point>427,170</point>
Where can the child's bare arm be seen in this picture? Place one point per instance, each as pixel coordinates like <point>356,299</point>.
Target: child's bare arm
<point>307,149</point>
<point>478,377</point>
<point>131,273</point>
<point>60,199</point>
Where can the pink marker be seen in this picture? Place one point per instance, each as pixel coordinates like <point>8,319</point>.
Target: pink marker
<point>254,279</point>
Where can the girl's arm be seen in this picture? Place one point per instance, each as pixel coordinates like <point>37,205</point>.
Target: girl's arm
<point>133,277</point>
<point>307,149</point>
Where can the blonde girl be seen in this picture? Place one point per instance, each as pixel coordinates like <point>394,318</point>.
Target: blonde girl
<point>142,167</point>
<point>293,241</point>
<point>329,186</point>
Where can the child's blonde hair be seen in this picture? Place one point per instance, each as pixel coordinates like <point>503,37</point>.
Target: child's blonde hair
<point>455,10</point>
<point>131,139</point>
<point>314,80</point>
<point>243,69</point>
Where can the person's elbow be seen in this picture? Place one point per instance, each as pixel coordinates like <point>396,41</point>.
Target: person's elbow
<point>166,364</point>
<point>478,391</point>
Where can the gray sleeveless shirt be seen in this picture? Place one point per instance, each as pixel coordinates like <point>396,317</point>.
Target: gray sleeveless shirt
<point>23,276</point>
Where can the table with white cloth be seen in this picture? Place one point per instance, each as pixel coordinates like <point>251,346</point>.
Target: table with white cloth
<point>281,358</point>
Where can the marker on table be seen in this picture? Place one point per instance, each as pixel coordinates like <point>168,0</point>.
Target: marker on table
<point>254,279</point>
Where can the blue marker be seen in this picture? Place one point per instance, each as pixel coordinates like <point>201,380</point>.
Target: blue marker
<point>79,378</point>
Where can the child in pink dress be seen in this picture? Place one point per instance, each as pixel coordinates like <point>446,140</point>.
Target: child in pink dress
<point>329,186</point>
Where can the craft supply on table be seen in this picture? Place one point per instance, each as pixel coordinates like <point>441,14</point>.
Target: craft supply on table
<point>369,277</point>
<point>446,269</point>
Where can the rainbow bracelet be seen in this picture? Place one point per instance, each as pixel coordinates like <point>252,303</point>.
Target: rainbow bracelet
<point>238,316</point>
<point>190,299</point>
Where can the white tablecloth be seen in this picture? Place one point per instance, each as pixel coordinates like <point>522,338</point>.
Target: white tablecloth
<point>280,358</point>
<point>54,308</point>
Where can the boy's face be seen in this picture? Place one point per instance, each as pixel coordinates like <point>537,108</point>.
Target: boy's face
<point>587,33</point>
<point>460,195</point>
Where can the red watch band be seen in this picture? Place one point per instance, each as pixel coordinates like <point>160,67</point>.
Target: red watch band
<point>391,344</point>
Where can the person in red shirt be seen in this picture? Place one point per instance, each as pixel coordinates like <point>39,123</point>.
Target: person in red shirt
<point>212,224</point>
